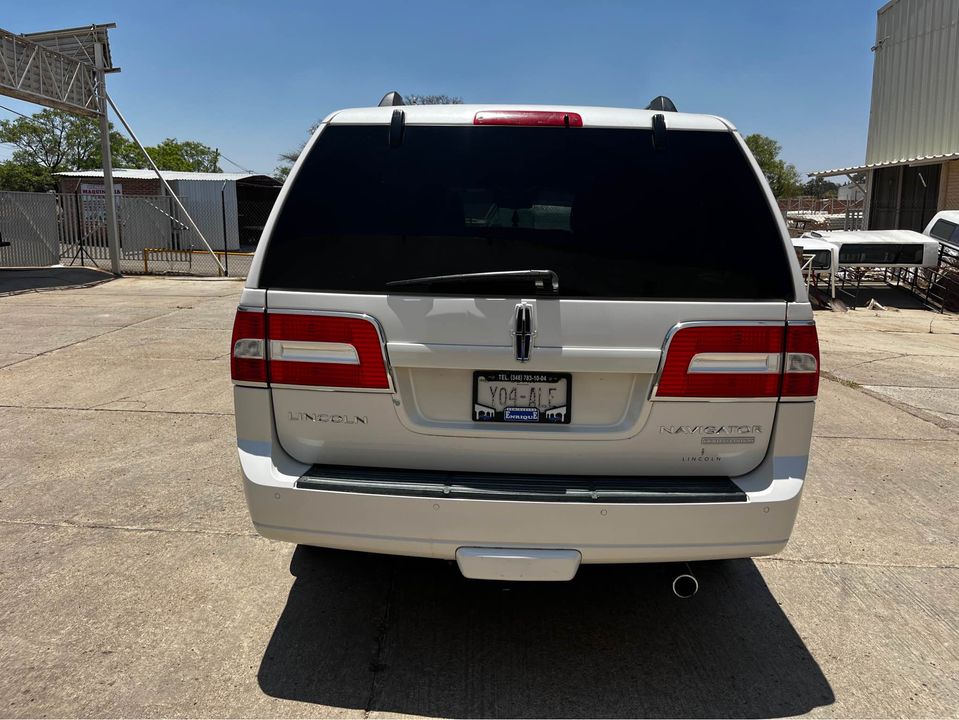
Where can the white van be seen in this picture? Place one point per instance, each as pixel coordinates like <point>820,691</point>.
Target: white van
<point>510,337</point>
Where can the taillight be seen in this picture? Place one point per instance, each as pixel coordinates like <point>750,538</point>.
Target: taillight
<point>530,118</point>
<point>722,361</point>
<point>325,351</point>
<point>248,355</point>
<point>740,362</point>
<point>801,367</point>
<point>330,351</point>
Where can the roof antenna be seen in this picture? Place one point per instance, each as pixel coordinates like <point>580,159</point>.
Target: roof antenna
<point>662,103</point>
<point>391,98</point>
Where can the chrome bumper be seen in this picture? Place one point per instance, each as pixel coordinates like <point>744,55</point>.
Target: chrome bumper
<point>600,532</point>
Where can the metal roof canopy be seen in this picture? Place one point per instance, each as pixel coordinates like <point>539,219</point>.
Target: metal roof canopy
<point>140,174</point>
<point>78,43</point>
<point>57,68</point>
<point>914,108</point>
<point>933,160</point>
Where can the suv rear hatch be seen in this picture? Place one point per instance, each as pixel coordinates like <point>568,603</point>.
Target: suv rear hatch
<point>371,365</point>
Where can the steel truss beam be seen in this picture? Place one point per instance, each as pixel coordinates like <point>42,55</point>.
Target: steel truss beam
<point>32,72</point>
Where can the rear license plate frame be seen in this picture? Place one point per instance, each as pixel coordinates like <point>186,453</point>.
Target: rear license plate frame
<point>522,377</point>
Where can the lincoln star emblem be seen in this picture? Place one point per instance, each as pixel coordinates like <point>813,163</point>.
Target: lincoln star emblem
<point>523,331</point>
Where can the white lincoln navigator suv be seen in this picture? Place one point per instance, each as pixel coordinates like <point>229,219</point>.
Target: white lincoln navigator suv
<point>525,338</point>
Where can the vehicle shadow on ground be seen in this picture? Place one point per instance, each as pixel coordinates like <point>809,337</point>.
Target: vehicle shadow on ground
<point>412,636</point>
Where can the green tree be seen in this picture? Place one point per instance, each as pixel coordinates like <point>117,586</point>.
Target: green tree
<point>782,176</point>
<point>25,177</point>
<point>416,99</point>
<point>820,188</point>
<point>185,156</point>
<point>56,140</point>
<point>52,141</point>
<point>289,157</point>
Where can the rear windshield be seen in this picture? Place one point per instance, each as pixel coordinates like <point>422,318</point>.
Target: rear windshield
<point>610,214</point>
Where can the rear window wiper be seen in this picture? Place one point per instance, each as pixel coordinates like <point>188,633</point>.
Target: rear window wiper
<point>543,279</point>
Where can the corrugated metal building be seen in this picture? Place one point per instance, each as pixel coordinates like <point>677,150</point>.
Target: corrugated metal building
<point>246,199</point>
<point>912,150</point>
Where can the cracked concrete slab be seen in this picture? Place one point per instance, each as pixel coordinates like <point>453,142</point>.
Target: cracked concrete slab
<point>71,315</point>
<point>153,470</point>
<point>891,320</point>
<point>159,343</point>
<point>836,360</point>
<point>921,371</point>
<point>9,358</point>
<point>845,412</point>
<point>885,501</point>
<point>894,343</point>
<point>158,287</point>
<point>112,623</point>
<point>81,381</point>
<point>44,338</point>
<point>940,400</point>
<point>133,584</point>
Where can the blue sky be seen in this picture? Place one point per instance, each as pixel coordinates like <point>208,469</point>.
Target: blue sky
<point>250,77</point>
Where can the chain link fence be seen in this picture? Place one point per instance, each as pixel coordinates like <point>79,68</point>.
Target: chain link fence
<point>39,229</point>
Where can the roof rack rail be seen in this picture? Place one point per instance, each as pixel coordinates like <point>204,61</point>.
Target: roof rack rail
<point>391,98</point>
<point>663,103</point>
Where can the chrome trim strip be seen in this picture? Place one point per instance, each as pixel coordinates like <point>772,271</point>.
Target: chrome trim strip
<point>756,363</point>
<point>314,352</point>
<point>717,399</point>
<point>323,388</point>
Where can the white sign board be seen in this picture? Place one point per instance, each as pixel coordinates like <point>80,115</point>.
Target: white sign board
<point>91,201</point>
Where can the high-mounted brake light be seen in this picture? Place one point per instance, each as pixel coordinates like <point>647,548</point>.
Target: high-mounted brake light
<point>530,118</point>
<point>248,348</point>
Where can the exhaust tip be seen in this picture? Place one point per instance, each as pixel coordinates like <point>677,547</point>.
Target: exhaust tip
<point>685,586</point>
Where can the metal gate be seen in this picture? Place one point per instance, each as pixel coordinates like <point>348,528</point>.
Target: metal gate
<point>40,229</point>
<point>28,229</point>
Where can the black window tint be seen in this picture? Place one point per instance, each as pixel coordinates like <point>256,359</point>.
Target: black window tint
<point>945,230</point>
<point>612,215</point>
<point>821,259</point>
<point>880,254</point>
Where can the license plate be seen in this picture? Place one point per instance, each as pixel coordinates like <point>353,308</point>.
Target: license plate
<point>521,397</point>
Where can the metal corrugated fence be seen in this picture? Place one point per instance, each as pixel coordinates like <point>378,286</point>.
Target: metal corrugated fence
<point>915,85</point>
<point>28,222</point>
<point>49,228</point>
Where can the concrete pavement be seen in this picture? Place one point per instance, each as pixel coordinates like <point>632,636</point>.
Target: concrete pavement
<point>132,583</point>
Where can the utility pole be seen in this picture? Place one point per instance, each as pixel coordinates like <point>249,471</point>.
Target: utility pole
<point>109,198</point>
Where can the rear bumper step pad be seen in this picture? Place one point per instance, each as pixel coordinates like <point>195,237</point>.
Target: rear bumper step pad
<point>515,487</point>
